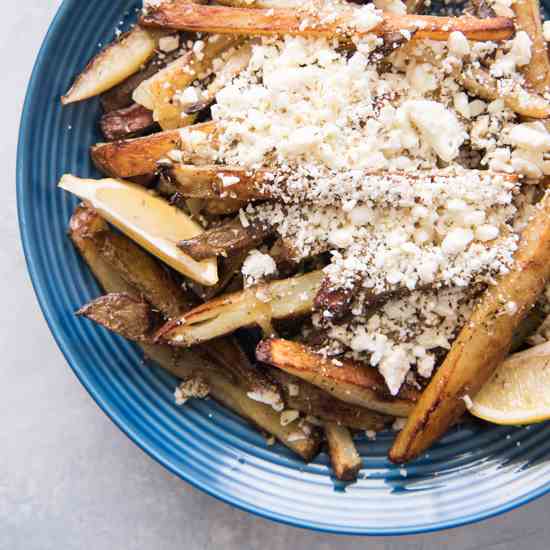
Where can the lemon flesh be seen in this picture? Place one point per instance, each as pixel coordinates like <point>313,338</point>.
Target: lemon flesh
<point>148,220</point>
<point>519,390</point>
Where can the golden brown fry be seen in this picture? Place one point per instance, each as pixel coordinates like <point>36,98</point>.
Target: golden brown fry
<point>127,123</point>
<point>537,71</point>
<point>482,344</point>
<point>226,240</point>
<point>344,458</point>
<point>310,400</point>
<point>160,93</point>
<point>135,157</point>
<point>219,182</point>
<point>288,298</point>
<point>222,207</point>
<point>235,398</point>
<point>114,64</point>
<point>121,313</point>
<point>146,274</point>
<point>481,84</point>
<point>120,96</point>
<point>347,380</point>
<point>243,21</point>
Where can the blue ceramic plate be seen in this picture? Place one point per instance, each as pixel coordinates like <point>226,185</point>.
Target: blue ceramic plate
<point>477,471</point>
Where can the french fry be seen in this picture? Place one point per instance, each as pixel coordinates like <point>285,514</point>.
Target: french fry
<point>344,458</point>
<point>342,25</point>
<point>288,298</point>
<point>160,93</point>
<point>481,84</point>
<point>127,123</point>
<point>222,207</point>
<point>120,96</point>
<point>87,231</point>
<point>114,64</point>
<point>226,240</point>
<point>236,399</point>
<point>349,381</point>
<point>207,182</point>
<point>482,344</point>
<point>144,273</point>
<point>135,157</point>
<point>310,400</point>
<point>223,181</point>
<point>537,71</point>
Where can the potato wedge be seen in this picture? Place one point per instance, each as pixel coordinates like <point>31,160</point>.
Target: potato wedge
<point>226,240</point>
<point>147,219</point>
<point>161,92</point>
<point>349,381</point>
<point>135,157</point>
<point>310,400</point>
<point>537,71</point>
<point>342,25</point>
<point>87,231</point>
<point>482,344</point>
<point>481,84</point>
<point>344,458</point>
<point>114,64</point>
<point>288,298</point>
<point>127,123</point>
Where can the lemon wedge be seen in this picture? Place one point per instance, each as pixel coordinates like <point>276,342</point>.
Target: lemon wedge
<point>148,220</point>
<point>519,390</point>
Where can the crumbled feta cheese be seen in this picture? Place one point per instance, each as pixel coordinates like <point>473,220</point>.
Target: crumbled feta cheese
<point>468,401</point>
<point>371,435</point>
<point>168,44</point>
<point>194,387</point>
<point>257,266</point>
<point>458,44</point>
<point>268,397</point>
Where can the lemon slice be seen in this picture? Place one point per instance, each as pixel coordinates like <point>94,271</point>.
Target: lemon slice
<point>148,220</point>
<point>519,390</point>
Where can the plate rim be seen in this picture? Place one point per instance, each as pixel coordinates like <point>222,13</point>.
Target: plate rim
<point>134,436</point>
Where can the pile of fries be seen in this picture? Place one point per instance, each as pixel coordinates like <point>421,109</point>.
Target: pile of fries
<point>174,279</point>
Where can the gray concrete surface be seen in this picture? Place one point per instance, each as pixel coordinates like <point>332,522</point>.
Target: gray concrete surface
<point>68,478</point>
